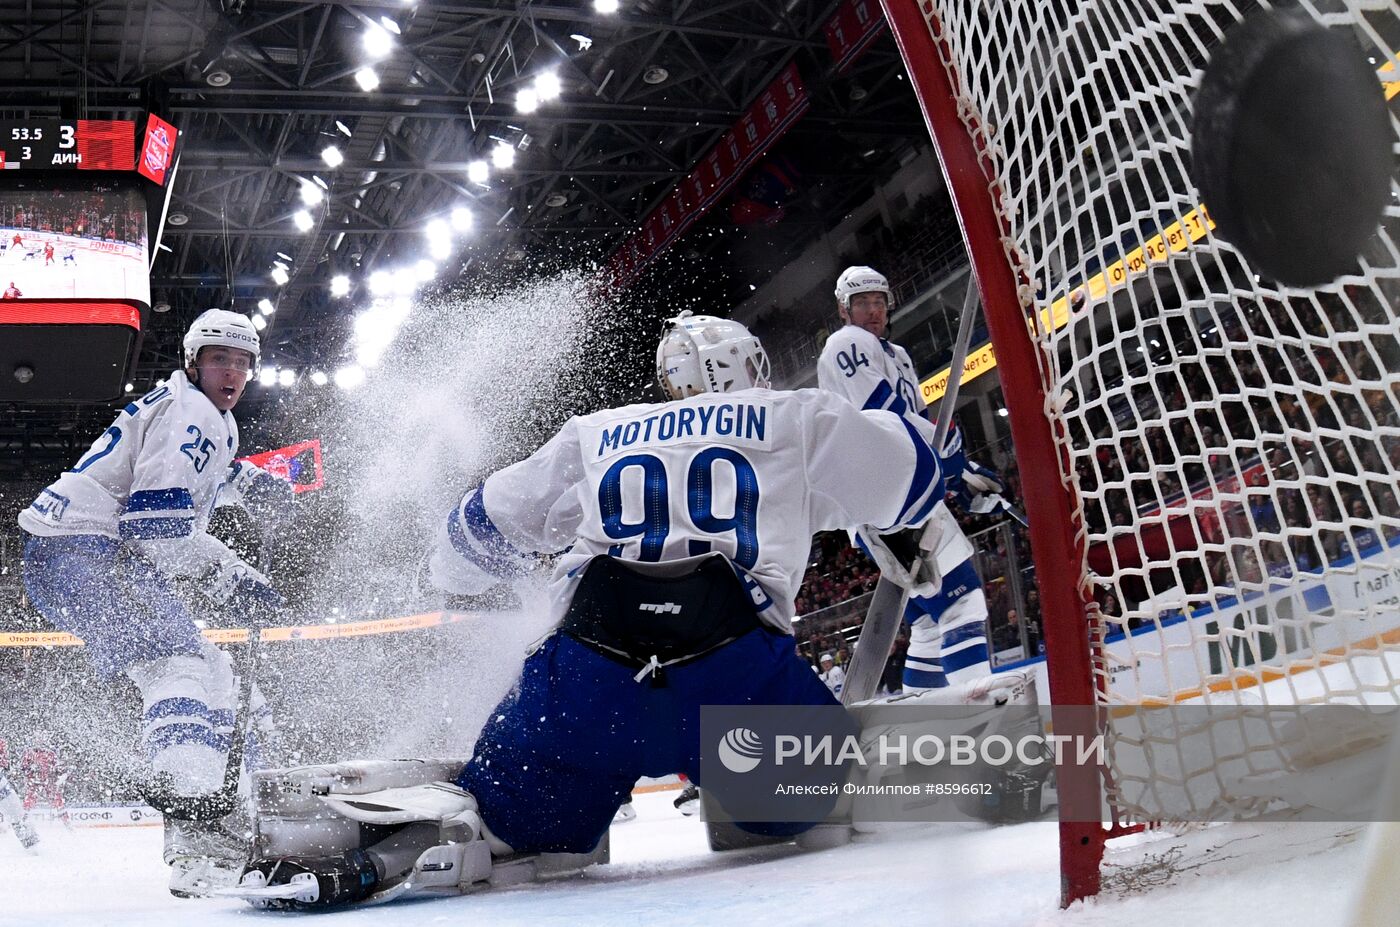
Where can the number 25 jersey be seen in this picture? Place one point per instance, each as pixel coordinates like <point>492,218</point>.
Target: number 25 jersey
<point>751,474</point>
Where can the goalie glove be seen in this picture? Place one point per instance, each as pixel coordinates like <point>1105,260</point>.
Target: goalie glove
<point>906,558</point>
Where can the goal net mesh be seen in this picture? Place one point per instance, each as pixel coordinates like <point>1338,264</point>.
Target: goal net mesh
<point>1232,445</point>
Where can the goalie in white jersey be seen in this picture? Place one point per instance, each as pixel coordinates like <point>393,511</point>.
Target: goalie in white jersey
<point>686,527</point>
<point>947,634</point>
<point>104,541</point>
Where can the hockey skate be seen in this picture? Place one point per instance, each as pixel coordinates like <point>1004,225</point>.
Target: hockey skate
<point>423,833</point>
<point>206,855</point>
<point>688,801</point>
<point>28,837</point>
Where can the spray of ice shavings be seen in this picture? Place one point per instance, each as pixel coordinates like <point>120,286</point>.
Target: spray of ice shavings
<point>470,385</point>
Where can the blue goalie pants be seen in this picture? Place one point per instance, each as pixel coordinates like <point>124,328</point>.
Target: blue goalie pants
<point>562,751</point>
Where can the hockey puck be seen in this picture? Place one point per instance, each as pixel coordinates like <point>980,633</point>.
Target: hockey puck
<point>1291,147</point>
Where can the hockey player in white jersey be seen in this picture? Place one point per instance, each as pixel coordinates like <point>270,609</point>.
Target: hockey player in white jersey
<point>104,543</point>
<point>685,527</point>
<point>947,634</point>
<point>12,812</point>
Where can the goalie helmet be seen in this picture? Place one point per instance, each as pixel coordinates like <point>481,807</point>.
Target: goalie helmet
<point>223,328</point>
<point>861,279</point>
<point>703,354</point>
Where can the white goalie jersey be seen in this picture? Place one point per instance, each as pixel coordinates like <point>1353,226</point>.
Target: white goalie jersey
<point>751,474</point>
<point>151,479</point>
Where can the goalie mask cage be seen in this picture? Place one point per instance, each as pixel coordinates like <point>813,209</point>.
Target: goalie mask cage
<point>1208,459</point>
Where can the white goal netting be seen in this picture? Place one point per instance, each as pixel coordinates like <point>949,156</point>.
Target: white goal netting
<point>1233,445</point>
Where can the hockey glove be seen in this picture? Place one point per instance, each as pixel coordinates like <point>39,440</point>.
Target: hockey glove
<point>266,497</point>
<point>977,489</point>
<point>236,587</point>
<point>327,881</point>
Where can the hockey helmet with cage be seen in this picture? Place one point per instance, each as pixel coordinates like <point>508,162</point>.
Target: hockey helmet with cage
<point>861,279</point>
<point>219,327</point>
<point>704,354</point>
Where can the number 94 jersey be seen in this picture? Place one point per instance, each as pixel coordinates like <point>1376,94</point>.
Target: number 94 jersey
<point>750,474</point>
<point>870,371</point>
<point>150,479</point>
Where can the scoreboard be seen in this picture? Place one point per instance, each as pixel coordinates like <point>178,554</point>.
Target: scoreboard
<point>87,145</point>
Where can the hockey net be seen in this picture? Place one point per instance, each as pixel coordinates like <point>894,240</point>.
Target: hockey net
<point>1222,451</point>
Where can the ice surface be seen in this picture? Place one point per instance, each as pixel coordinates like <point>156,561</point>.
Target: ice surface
<point>663,873</point>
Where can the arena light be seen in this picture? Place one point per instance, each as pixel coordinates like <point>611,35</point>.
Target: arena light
<point>527,101</point>
<point>279,275</point>
<point>286,377</point>
<point>478,172</point>
<point>259,322</point>
<point>131,387</point>
<point>503,156</point>
<point>377,42</point>
<point>311,194</point>
<point>548,86</point>
<point>343,129</point>
<point>266,306</point>
<point>380,283</point>
<point>268,375</point>
<point>406,281</point>
<point>340,285</point>
<point>389,25</point>
<point>426,270</point>
<point>332,156</point>
<point>319,378</point>
<point>440,249</point>
<point>461,219</point>
<point>605,6</point>
<point>349,376</point>
<point>367,79</point>
<point>303,221</point>
<point>438,230</point>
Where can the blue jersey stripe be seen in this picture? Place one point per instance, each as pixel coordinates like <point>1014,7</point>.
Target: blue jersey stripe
<point>484,530</point>
<point>926,488</point>
<point>158,500</point>
<point>493,566</point>
<point>174,735</point>
<point>879,396</point>
<point>146,529</point>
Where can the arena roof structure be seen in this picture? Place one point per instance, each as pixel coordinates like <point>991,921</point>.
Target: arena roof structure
<point>260,89</point>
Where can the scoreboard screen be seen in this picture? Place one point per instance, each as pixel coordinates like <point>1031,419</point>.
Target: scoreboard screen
<point>68,144</point>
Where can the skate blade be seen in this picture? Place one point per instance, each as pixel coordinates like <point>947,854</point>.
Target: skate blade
<point>255,890</point>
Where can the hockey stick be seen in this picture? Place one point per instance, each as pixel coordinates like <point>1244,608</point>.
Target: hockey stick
<point>886,611</point>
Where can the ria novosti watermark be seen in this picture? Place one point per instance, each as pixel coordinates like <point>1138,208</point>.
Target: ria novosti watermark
<point>740,750</point>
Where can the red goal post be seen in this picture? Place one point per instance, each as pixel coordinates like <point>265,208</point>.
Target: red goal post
<point>1214,455</point>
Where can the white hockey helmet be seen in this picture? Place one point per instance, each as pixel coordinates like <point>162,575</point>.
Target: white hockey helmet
<point>861,279</point>
<point>221,327</point>
<point>703,354</point>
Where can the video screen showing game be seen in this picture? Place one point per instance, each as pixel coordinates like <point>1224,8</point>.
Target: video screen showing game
<point>73,243</point>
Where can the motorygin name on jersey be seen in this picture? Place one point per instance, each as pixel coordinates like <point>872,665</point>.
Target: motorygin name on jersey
<point>744,423</point>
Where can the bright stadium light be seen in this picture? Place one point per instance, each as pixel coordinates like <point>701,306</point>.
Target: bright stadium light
<point>438,230</point>
<point>461,219</point>
<point>303,221</point>
<point>286,377</point>
<point>367,79</point>
<point>340,285</point>
<point>503,156</point>
<point>440,249</point>
<point>378,42</point>
<point>311,194</point>
<point>319,378</point>
<point>268,375</point>
<point>266,306</point>
<point>547,86</point>
<point>380,283</point>
<point>478,172</point>
<point>280,275</point>
<point>527,101</point>
<point>259,322</point>
<point>332,156</point>
<point>605,6</point>
<point>349,376</point>
<point>426,269</point>
<point>389,24</point>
